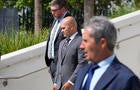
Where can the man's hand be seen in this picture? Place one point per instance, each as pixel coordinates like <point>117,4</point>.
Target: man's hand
<point>67,86</point>
<point>54,87</point>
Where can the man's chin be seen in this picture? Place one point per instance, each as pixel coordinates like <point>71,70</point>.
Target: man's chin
<point>65,36</point>
<point>87,59</point>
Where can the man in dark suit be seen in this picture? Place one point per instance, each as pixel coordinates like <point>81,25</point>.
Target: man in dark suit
<point>59,11</point>
<point>70,57</point>
<point>98,42</point>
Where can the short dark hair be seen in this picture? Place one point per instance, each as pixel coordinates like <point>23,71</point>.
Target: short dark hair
<point>60,3</point>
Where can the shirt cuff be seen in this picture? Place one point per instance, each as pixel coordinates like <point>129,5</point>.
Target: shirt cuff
<point>71,82</point>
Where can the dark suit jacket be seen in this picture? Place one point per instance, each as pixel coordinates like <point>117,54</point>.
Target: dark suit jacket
<point>59,38</point>
<point>69,64</point>
<point>117,77</point>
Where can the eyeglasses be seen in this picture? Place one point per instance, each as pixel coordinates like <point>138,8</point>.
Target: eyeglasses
<point>55,10</point>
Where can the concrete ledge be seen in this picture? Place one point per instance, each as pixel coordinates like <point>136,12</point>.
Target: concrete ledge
<point>23,61</point>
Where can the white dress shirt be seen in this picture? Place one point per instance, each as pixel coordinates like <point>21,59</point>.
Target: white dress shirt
<point>72,37</point>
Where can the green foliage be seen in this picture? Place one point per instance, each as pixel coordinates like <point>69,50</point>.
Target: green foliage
<point>46,4</point>
<point>1,3</point>
<point>137,2</point>
<point>12,42</point>
<point>123,10</point>
<point>30,3</point>
<point>7,3</point>
<point>17,3</point>
<point>21,3</point>
<point>77,4</point>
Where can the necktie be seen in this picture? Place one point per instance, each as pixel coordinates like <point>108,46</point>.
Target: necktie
<point>90,74</point>
<point>65,46</point>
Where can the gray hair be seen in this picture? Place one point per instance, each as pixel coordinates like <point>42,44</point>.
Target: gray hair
<point>101,27</point>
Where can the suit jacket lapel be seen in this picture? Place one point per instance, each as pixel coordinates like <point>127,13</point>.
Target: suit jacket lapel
<point>108,76</point>
<point>70,45</point>
<point>82,75</point>
<point>73,41</point>
<point>61,50</point>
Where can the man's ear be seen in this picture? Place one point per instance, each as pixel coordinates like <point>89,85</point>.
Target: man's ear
<point>103,42</point>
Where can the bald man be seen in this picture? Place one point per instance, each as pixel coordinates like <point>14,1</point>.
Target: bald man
<point>70,57</point>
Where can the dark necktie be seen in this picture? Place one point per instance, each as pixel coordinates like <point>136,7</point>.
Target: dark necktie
<point>65,46</point>
<point>90,74</point>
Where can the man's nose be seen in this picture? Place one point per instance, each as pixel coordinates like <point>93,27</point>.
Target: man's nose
<point>82,46</point>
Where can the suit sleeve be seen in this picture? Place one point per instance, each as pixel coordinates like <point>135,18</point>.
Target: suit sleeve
<point>133,84</point>
<point>81,62</point>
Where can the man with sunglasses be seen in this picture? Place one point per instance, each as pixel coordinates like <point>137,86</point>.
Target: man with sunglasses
<point>59,11</point>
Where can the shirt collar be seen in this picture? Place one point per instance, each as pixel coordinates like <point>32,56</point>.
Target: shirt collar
<point>106,61</point>
<point>73,35</point>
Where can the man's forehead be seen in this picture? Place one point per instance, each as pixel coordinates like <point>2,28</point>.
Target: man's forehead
<point>87,29</point>
<point>87,32</point>
<point>54,6</point>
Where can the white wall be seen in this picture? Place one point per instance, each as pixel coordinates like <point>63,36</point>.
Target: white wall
<point>25,69</point>
<point>128,50</point>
